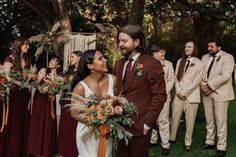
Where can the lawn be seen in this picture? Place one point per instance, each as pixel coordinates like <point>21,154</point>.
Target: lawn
<point>176,150</point>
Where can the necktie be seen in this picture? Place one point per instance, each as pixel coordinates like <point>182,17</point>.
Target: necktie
<point>210,66</point>
<point>186,68</point>
<point>127,70</point>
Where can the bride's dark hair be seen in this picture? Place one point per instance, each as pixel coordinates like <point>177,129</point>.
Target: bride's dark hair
<point>83,70</point>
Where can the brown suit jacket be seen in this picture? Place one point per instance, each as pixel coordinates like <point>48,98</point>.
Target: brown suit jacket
<point>147,92</point>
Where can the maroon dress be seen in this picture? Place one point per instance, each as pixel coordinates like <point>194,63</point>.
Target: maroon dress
<point>17,127</point>
<point>67,133</point>
<point>42,134</point>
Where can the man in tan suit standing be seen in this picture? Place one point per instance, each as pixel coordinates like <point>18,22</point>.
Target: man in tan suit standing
<point>163,119</point>
<point>189,73</point>
<point>217,91</point>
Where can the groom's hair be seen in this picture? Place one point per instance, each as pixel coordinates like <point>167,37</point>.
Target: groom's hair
<point>135,32</point>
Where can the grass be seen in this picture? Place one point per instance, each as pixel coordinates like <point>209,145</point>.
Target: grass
<point>176,150</point>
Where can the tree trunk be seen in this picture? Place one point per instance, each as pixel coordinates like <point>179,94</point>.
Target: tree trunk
<point>137,12</point>
<point>64,16</point>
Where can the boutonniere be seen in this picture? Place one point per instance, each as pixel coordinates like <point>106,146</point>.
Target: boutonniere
<point>139,69</point>
<point>218,59</point>
<point>192,64</point>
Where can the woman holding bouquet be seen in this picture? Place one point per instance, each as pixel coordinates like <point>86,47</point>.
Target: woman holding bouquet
<point>4,80</point>
<point>16,130</point>
<point>42,127</point>
<point>91,78</point>
<point>67,127</point>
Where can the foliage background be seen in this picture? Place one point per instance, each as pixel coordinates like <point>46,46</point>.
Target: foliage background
<point>170,23</point>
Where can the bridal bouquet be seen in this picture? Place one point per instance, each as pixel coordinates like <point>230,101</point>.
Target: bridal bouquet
<point>105,116</point>
<point>26,77</point>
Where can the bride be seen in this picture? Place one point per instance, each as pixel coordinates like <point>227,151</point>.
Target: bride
<point>91,78</point>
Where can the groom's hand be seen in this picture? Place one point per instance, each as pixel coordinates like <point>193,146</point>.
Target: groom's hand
<point>145,131</point>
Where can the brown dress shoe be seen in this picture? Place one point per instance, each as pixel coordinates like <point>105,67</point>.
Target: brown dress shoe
<point>220,153</point>
<point>165,151</point>
<point>187,148</point>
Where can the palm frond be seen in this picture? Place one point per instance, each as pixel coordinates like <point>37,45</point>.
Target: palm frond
<point>55,27</point>
<point>36,38</point>
<point>39,50</point>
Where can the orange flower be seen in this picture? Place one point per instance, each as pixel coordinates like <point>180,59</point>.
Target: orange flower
<point>100,113</point>
<point>33,76</point>
<point>139,69</point>
<point>109,108</point>
<point>139,66</point>
<point>3,80</point>
<point>24,75</point>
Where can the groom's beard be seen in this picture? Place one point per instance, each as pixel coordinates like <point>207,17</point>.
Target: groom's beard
<point>127,51</point>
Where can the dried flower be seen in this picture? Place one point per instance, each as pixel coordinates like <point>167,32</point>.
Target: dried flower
<point>192,64</point>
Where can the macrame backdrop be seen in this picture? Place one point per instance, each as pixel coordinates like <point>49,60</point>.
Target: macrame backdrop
<point>79,42</point>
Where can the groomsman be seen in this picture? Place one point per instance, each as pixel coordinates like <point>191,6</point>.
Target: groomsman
<point>189,73</point>
<point>217,91</point>
<point>140,79</point>
<point>163,119</point>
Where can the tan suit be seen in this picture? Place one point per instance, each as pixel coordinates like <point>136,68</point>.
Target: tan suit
<point>216,104</point>
<point>188,86</point>
<point>163,119</point>
<point>235,74</point>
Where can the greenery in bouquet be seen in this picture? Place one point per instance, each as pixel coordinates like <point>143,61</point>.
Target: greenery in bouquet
<point>26,77</point>
<point>5,84</point>
<point>114,112</point>
<point>54,87</point>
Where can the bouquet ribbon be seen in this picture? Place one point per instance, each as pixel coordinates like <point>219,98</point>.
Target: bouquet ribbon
<point>52,99</point>
<point>5,112</point>
<point>31,100</point>
<point>103,130</point>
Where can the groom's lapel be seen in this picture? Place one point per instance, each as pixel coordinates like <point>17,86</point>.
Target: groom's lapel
<point>133,76</point>
<point>120,76</point>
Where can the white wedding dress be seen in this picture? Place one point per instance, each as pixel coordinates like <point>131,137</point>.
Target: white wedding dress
<point>90,148</point>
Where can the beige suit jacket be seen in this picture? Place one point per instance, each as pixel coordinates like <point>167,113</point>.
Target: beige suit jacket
<point>169,77</point>
<point>235,74</point>
<point>189,85</point>
<point>220,78</point>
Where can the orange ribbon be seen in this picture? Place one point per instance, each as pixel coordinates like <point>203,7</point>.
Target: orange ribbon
<point>52,99</point>
<point>103,130</point>
<point>3,116</point>
<point>5,112</point>
<point>30,105</point>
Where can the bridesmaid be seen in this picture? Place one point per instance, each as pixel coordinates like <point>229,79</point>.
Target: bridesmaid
<point>42,136</point>
<point>4,69</point>
<point>16,130</point>
<point>67,128</point>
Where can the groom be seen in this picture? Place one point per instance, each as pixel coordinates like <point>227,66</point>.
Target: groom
<point>140,79</point>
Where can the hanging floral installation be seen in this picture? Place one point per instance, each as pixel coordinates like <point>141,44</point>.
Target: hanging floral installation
<point>51,40</point>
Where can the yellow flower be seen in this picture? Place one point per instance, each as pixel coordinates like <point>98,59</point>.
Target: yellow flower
<point>45,89</point>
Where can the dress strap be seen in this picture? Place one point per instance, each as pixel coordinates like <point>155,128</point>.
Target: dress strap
<point>87,91</point>
<point>111,85</point>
